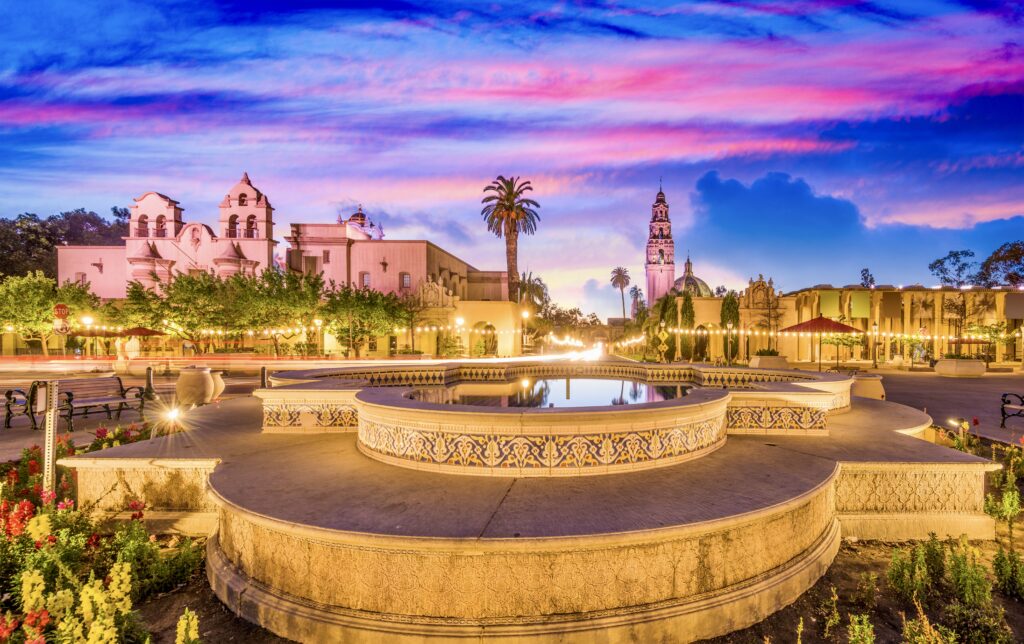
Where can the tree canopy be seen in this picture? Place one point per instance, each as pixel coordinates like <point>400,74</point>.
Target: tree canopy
<point>27,301</point>
<point>29,243</point>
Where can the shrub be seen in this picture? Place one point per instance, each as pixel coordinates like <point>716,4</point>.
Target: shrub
<point>867,590</point>
<point>935,557</point>
<point>1009,573</point>
<point>908,574</point>
<point>155,573</point>
<point>860,630</point>
<point>766,352</point>
<point>983,624</point>
<point>968,577</point>
<point>920,630</point>
<point>829,611</point>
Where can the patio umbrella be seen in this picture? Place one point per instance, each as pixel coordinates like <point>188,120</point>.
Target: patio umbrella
<point>819,325</point>
<point>140,331</point>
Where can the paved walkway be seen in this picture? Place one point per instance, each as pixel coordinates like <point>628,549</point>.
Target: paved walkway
<point>20,435</point>
<point>948,398</point>
<point>306,478</point>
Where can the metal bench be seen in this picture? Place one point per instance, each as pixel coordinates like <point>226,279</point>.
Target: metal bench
<point>1010,409</point>
<point>76,396</point>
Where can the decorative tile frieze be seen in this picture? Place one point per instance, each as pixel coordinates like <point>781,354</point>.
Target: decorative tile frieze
<point>524,451</point>
<point>908,488</point>
<point>321,415</point>
<point>772,417</point>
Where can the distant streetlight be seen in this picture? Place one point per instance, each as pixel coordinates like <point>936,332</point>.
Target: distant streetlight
<point>874,344</point>
<point>728,345</point>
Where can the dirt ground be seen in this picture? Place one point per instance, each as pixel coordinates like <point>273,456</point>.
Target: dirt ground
<point>218,624</point>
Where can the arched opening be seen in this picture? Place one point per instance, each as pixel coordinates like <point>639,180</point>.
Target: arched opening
<point>661,256</point>
<point>142,228</point>
<point>232,230</point>
<point>161,226</point>
<point>242,199</point>
<point>250,226</point>
<point>484,339</point>
<point>700,344</point>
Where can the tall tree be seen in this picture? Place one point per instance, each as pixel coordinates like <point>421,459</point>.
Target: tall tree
<point>29,243</point>
<point>1004,267</point>
<point>637,295</point>
<point>867,280</point>
<point>956,269</point>
<point>27,301</point>
<point>730,314</point>
<point>508,212</point>
<point>356,315</point>
<point>274,301</point>
<point>620,280</point>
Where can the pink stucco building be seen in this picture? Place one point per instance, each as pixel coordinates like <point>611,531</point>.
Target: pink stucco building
<point>458,297</point>
<point>161,244</point>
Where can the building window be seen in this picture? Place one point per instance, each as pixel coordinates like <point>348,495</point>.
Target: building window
<point>242,199</point>
<point>250,227</point>
<point>364,280</point>
<point>372,344</point>
<point>161,226</point>
<point>80,278</point>
<point>406,280</point>
<point>142,229</point>
<point>327,257</point>
<point>233,226</point>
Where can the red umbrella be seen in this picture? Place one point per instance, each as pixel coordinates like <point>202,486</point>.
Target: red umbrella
<point>820,325</point>
<point>140,331</point>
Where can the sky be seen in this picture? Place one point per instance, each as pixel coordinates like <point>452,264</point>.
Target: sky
<point>804,141</point>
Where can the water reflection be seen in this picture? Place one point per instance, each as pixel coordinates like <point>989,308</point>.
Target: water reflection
<point>552,393</point>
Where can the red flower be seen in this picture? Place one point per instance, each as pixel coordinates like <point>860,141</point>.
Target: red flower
<point>47,497</point>
<point>33,467</point>
<point>13,478</point>
<point>101,432</point>
<point>7,628</point>
<point>16,521</point>
<point>52,539</point>
<point>93,542</point>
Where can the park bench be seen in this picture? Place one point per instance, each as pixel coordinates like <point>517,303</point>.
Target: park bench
<point>1010,408</point>
<point>75,396</point>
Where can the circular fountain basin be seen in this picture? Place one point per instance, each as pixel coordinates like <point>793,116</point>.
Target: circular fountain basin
<point>397,428</point>
<point>552,393</point>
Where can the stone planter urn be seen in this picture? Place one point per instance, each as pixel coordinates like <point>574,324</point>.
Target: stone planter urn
<point>218,384</point>
<point>960,368</point>
<point>769,362</point>
<point>195,386</point>
<point>868,385</point>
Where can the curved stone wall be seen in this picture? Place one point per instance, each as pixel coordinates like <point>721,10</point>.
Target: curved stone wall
<point>541,442</point>
<point>681,583</point>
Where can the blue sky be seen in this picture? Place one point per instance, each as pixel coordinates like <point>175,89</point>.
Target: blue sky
<point>800,140</point>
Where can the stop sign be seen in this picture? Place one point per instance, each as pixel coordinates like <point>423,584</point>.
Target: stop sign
<point>60,311</point>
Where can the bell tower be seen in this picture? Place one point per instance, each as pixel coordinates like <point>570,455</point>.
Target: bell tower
<point>661,266</point>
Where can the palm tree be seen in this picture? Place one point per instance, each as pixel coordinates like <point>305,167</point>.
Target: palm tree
<point>509,212</point>
<point>532,291</point>
<point>637,296</point>
<point>620,280</point>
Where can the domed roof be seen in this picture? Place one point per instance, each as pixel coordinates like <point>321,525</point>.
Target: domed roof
<point>690,283</point>
<point>358,217</point>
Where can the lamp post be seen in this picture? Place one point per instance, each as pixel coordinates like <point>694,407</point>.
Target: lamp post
<point>319,336</point>
<point>728,345</point>
<point>522,337</point>
<point>874,345</point>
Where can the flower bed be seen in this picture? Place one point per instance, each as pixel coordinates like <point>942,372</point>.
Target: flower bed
<point>65,580</point>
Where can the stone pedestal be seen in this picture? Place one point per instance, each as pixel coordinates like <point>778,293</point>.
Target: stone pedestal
<point>955,368</point>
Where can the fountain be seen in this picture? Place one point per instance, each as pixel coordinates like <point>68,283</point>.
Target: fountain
<point>410,502</point>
